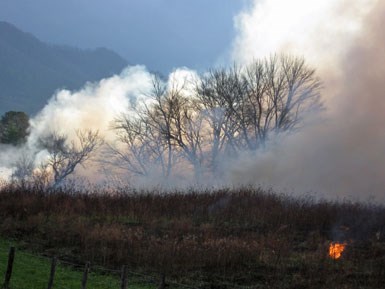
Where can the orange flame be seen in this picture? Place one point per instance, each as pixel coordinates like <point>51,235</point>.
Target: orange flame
<point>336,249</point>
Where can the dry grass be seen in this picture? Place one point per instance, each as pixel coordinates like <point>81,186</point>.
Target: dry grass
<point>244,236</point>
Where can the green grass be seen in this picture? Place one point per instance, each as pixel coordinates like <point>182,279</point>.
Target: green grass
<point>32,272</point>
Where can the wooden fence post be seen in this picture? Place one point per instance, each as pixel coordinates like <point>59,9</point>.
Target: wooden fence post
<point>85,275</point>
<point>8,273</point>
<point>123,278</point>
<point>162,284</point>
<point>52,273</point>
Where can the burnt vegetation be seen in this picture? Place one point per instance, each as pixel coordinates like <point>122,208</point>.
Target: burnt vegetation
<point>213,239</point>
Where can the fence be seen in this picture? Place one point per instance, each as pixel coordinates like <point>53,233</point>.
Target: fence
<point>51,275</point>
<point>123,280</point>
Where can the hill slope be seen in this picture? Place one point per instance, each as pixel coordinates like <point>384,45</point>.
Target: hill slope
<point>31,70</point>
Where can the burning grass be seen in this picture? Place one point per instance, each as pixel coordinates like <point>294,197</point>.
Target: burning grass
<point>244,236</point>
<point>336,249</point>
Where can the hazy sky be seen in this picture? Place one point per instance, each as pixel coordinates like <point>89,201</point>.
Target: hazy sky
<point>162,34</point>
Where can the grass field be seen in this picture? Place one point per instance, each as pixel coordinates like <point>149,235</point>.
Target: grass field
<point>31,271</point>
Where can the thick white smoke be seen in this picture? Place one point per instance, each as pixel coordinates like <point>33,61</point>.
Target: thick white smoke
<point>94,107</point>
<point>340,152</point>
<point>7,154</point>
<point>321,31</point>
<point>342,155</point>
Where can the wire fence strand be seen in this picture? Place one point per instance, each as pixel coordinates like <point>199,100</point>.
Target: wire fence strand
<point>148,279</point>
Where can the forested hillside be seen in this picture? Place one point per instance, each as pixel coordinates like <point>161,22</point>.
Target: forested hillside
<point>31,70</point>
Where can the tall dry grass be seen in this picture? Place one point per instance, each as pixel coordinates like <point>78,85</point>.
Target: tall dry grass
<point>242,236</point>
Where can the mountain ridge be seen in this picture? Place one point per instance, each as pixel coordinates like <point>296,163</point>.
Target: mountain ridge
<point>32,70</point>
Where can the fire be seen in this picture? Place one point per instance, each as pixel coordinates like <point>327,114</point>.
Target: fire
<point>336,249</point>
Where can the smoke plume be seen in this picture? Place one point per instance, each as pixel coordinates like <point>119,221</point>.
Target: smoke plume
<point>320,31</point>
<point>93,107</point>
<point>338,153</point>
<point>343,153</point>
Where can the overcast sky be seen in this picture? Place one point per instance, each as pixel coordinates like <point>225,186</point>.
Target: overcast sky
<point>162,34</point>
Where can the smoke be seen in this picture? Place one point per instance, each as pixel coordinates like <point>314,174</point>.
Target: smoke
<point>7,153</point>
<point>343,154</point>
<point>339,153</point>
<point>320,31</point>
<point>93,107</point>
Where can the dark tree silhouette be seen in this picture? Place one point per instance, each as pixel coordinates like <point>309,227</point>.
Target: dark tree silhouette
<point>228,111</point>
<point>65,156</point>
<point>14,127</point>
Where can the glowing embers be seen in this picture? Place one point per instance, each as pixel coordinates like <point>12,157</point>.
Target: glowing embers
<point>336,249</point>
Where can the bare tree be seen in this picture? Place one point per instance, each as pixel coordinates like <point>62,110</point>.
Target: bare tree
<point>144,145</point>
<point>24,166</point>
<point>268,96</point>
<point>180,123</point>
<point>215,95</point>
<point>65,156</point>
<point>161,133</point>
<point>159,117</point>
<point>141,147</point>
<point>228,111</point>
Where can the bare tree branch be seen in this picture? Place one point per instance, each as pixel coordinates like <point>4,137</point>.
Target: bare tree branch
<point>64,157</point>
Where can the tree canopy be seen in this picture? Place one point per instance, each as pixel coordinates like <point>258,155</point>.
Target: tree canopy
<point>14,127</point>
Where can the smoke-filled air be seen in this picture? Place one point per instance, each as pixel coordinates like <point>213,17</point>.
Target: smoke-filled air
<point>341,153</point>
<point>299,107</point>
